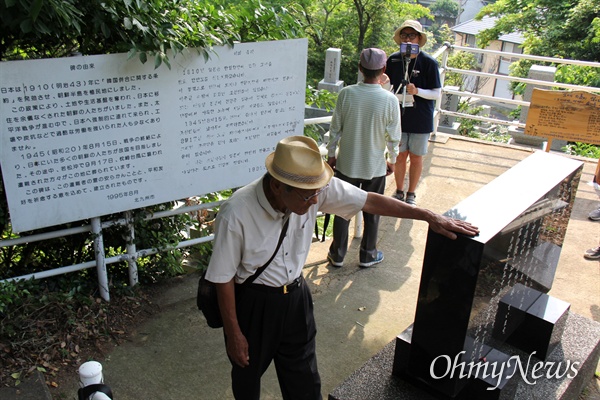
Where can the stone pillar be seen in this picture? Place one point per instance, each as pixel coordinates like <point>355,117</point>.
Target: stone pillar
<point>540,73</point>
<point>331,80</point>
<point>484,126</point>
<point>448,123</point>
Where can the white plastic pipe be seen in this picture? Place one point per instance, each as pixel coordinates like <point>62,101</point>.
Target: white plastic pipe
<point>90,373</point>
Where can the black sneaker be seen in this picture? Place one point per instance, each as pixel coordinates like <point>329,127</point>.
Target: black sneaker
<point>376,261</point>
<point>333,262</point>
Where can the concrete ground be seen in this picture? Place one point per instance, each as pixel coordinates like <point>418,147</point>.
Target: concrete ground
<point>358,311</point>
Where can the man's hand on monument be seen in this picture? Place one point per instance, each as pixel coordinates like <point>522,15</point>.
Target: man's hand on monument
<point>449,227</point>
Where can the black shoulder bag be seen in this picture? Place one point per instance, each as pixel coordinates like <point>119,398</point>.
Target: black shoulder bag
<point>207,293</point>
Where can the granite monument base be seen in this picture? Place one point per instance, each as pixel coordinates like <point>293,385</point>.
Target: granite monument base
<point>488,378</point>
<point>578,351</point>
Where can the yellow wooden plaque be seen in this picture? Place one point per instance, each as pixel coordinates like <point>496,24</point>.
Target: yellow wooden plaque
<point>573,116</point>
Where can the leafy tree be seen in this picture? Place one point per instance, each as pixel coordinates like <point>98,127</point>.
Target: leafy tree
<point>553,28</point>
<point>352,25</point>
<point>446,10</point>
<point>461,60</point>
<point>146,28</point>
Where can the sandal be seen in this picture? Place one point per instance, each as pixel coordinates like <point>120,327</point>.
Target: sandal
<point>399,195</point>
<point>411,198</point>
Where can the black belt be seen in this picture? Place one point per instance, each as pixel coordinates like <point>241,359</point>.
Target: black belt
<point>285,289</point>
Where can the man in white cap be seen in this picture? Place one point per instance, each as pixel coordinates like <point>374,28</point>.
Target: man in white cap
<point>272,318</point>
<point>418,73</point>
<point>365,122</point>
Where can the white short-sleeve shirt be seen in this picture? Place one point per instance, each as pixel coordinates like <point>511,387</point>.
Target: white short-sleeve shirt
<point>247,230</point>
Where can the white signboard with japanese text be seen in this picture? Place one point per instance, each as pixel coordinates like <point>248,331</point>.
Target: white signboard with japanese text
<point>88,136</point>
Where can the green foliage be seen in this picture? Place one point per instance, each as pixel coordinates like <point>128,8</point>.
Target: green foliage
<point>322,99</point>
<point>148,29</point>
<point>352,26</point>
<point>515,114</point>
<point>467,125</point>
<point>567,29</point>
<point>439,35</point>
<point>553,28</point>
<point>578,75</point>
<point>321,224</point>
<point>202,226</point>
<point>582,149</point>
<point>447,9</point>
<point>460,60</point>
<point>255,20</point>
<point>13,293</point>
<point>497,134</point>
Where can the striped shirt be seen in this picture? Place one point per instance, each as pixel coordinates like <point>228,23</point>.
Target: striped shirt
<point>365,121</point>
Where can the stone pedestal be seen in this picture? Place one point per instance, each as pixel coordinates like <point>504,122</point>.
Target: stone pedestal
<point>332,87</point>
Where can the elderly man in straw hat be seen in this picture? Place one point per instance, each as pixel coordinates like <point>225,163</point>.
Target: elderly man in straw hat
<point>419,75</point>
<point>272,318</point>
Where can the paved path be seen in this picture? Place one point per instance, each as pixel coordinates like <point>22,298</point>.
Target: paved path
<point>358,311</point>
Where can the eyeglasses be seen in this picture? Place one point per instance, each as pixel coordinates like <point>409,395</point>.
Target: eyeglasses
<point>312,196</point>
<point>410,36</point>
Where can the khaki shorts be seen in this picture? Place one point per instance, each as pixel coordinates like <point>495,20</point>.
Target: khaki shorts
<point>415,143</point>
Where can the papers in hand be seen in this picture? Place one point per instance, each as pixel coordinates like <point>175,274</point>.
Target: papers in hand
<point>408,99</point>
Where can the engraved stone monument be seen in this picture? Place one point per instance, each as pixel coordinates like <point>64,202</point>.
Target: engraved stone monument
<point>331,81</point>
<point>484,321</point>
<point>448,123</point>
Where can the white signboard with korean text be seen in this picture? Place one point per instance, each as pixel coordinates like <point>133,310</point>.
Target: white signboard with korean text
<point>83,137</point>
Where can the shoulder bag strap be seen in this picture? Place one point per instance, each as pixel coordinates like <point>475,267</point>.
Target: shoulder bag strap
<point>261,269</point>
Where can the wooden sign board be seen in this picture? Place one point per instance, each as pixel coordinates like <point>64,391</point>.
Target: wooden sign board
<point>573,116</point>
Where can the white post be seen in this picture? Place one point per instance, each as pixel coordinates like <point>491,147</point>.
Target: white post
<point>100,261</point>
<point>131,250</point>
<point>358,225</point>
<point>90,373</point>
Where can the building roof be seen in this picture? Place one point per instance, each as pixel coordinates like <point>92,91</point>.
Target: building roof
<point>473,27</point>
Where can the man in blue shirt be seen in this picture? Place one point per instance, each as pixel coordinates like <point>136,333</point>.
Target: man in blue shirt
<point>419,75</point>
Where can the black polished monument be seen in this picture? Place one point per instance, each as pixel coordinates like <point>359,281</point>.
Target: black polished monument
<point>483,305</point>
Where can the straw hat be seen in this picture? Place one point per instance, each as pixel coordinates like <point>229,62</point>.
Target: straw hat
<point>297,162</point>
<point>416,25</point>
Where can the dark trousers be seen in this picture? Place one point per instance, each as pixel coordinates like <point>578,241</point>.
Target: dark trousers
<point>368,245</point>
<point>281,328</point>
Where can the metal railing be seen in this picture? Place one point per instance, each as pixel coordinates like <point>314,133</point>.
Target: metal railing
<point>132,254</point>
<point>95,228</point>
<point>444,53</point>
